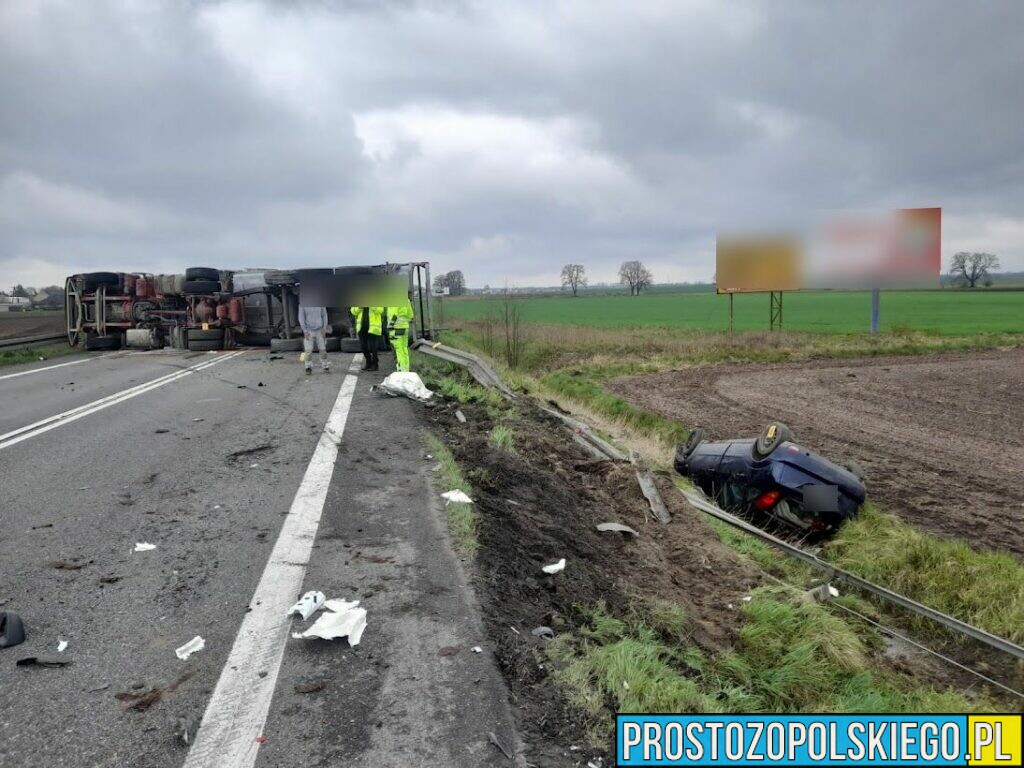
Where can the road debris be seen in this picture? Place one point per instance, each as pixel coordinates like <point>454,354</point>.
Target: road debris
<point>547,632</point>
<point>477,649</point>
<point>460,415</point>
<point>554,567</point>
<point>308,604</point>
<point>62,646</point>
<point>823,593</point>
<point>404,384</point>
<point>493,738</point>
<point>161,431</point>
<point>99,688</point>
<point>459,497</point>
<point>185,729</point>
<point>66,565</point>
<point>43,661</point>
<point>143,546</point>
<point>195,644</point>
<point>617,528</point>
<point>449,650</point>
<point>342,619</point>
<point>309,687</point>
<point>12,629</point>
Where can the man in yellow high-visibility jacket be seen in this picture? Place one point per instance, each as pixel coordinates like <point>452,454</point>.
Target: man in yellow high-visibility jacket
<point>369,325</point>
<point>398,332</point>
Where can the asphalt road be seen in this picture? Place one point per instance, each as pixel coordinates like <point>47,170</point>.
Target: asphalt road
<point>223,462</point>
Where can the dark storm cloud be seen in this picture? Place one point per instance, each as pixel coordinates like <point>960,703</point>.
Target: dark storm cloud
<point>500,138</point>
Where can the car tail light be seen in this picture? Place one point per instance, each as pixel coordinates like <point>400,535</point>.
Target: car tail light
<point>767,500</point>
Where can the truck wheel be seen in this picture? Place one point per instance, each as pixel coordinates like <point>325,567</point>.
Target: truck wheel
<point>208,334</point>
<point>202,273</point>
<point>774,435</point>
<point>280,277</point>
<point>351,345</point>
<point>205,346</point>
<point>93,280</point>
<point>194,287</point>
<point>96,343</point>
<point>286,345</point>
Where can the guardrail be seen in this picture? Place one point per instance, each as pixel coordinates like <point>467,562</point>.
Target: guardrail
<point>31,341</point>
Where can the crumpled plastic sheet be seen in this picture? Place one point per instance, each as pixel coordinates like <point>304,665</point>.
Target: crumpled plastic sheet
<point>457,496</point>
<point>343,618</point>
<point>554,567</point>
<point>405,384</point>
<point>195,644</point>
<point>308,604</point>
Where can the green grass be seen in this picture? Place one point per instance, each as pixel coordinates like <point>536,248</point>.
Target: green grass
<point>792,655</point>
<point>502,437</point>
<point>33,354</point>
<point>983,588</point>
<point>462,518</point>
<point>943,312</point>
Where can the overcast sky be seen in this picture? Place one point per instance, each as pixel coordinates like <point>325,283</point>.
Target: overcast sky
<point>504,138</point>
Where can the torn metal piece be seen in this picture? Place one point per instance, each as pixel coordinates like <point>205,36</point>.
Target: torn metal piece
<point>493,738</point>
<point>547,632</point>
<point>650,492</point>
<point>43,661</point>
<point>617,528</point>
<point>460,416</point>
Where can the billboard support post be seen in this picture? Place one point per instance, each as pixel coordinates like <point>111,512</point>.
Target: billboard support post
<point>875,300</point>
<point>775,317</point>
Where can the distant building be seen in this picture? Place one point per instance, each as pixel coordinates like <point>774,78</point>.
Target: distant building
<point>14,304</point>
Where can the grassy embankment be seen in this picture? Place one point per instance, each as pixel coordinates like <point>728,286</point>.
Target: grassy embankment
<point>787,657</point>
<point>35,354</point>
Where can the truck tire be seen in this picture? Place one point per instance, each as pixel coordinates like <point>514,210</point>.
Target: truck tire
<point>280,277</point>
<point>206,334</point>
<point>202,273</point>
<point>96,343</point>
<point>253,339</point>
<point>93,280</point>
<point>286,345</point>
<point>351,345</point>
<point>195,287</point>
<point>205,346</point>
<point>333,344</point>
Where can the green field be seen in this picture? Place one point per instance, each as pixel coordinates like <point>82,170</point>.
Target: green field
<point>952,313</point>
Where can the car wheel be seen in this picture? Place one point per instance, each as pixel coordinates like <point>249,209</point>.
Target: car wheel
<point>93,280</point>
<point>196,287</point>
<point>96,343</point>
<point>697,436</point>
<point>774,435</point>
<point>202,273</point>
<point>286,345</point>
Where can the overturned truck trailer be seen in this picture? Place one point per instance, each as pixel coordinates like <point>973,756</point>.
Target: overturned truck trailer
<point>209,309</point>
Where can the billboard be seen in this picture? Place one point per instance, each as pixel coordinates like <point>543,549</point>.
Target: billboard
<point>758,263</point>
<point>891,249</point>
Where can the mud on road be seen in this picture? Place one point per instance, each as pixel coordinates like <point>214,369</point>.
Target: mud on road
<point>941,438</point>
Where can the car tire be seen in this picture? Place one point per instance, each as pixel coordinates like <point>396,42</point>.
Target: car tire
<point>350,345</point>
<point>774,435</point>
<point>333,344</point>
<point>202,273</point>
<point>96,343</point>
<point>196,287</point>
<point>93,280</point>
<point>697,436</point>
<point>286,345</point>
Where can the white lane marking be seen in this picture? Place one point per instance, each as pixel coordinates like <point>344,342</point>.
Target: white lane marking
<point>60,419</point>
<point>46,368</point>
<point>237,710</point>
<point>357,360</point>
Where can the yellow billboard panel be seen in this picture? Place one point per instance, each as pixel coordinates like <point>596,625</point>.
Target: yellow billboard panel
<point>753,264</point>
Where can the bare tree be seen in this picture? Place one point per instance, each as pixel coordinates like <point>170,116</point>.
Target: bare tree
<point>574,276</point>
<point>970,268</point>
<point>636,276</point>
<point>515,341</point>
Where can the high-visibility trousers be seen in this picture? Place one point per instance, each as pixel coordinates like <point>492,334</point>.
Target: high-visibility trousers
<point>400,343</point>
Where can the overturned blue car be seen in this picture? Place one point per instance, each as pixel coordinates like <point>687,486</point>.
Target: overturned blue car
<point>771,475</point>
